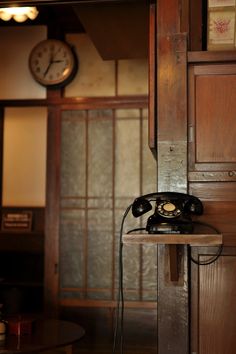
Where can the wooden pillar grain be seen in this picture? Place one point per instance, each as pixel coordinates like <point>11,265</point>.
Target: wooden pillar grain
<point>51,252</point>
<point>173,313</point>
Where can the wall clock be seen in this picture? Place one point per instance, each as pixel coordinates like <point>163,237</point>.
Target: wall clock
<point>53,63</point>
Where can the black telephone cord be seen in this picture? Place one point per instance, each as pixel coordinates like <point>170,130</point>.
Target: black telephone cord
<point>218,253</point>
<point>208,261</point>
<point>118,331</point>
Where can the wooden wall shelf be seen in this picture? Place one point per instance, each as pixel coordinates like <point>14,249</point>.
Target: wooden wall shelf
<point>174,239</point>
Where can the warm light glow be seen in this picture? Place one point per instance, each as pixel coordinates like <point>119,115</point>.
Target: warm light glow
<point>19,14</point>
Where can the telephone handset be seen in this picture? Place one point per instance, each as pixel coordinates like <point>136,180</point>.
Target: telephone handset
<point>172,211</point>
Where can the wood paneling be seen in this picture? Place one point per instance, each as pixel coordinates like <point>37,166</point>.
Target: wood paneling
<point>195,27</point>
<point>52,213</point>
<point>152,119</point>
<point>214,304</point>
<point>212,164</point>
<point>211,56</point>
<point>215,108</point>
<point>118,30</point>
<point>219,201</point>
<point>171,98</point>
<point>212,110</point>
<point>214,191</point>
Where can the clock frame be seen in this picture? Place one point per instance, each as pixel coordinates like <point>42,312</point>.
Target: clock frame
<point>53,63</point>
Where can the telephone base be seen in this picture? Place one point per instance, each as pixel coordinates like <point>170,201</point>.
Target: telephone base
<point>165,228</point>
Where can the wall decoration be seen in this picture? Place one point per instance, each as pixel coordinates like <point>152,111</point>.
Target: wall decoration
<point>221,25</point>
<point>216,3</point>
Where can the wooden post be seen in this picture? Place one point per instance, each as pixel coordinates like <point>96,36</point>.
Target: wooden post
<point>173,314</point>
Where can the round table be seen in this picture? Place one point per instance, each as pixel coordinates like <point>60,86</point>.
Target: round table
<point>46,334</point>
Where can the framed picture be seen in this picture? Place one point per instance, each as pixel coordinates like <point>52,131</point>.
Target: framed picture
<point>220,3</point>
<point>221,30</point>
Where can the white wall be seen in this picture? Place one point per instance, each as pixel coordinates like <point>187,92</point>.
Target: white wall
<point>24,156</point>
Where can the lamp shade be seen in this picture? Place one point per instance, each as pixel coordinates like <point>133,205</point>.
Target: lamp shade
<point>19,14</point>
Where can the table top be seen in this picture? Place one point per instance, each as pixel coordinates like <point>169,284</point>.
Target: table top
<point>46,334</point>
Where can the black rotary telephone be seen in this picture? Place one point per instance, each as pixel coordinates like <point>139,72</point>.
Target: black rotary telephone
<point>172,212</point>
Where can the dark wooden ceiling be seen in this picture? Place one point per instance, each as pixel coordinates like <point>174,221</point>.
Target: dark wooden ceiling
<point>118,29</point>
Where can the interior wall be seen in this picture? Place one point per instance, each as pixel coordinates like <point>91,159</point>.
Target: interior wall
<point>15,46</point>
<point>24,156</point>
<point>95,78</point>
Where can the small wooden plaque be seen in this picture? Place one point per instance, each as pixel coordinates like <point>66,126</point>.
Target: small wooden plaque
<point>16,221</point>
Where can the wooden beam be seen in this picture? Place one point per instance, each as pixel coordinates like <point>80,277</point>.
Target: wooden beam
<point>55,2</point>
<point>51,276</point>
<point>152,139</point>
<point>173,313</point>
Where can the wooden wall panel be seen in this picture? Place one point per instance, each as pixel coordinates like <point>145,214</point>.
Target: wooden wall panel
<point>173,315</point>
<point>214,304</point>
<point>215,108</point>
<point>219,201</point>
<point>212,111</point>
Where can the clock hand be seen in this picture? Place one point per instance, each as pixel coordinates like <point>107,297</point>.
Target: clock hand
<point>47,69</point>
<point>49,65</point>
<point>57,61</point>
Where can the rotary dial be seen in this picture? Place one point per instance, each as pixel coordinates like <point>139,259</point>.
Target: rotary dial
<point>168,209</point>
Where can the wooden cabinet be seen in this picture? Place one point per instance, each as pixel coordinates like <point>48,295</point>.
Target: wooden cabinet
<point>212,178</point>
<point>211,137</point>
<point>212,128</point>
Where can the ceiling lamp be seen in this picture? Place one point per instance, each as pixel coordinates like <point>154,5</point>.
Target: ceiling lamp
<point>19,14</point>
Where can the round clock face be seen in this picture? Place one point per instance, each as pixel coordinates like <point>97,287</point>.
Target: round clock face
<point>52,63</point>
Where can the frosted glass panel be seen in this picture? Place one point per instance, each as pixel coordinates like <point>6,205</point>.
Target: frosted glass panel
<point>73,158</point>
<point>112,164</point>
<point>127,174</point>
<point>133,77</point>
<point>100,140</point>
<point>15,45</point>
<point>95,76</point>
<point>100,248</point>
<point>72,248</point>
<point>24,156</point>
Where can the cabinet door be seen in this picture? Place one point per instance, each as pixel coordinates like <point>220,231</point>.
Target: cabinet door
<point>212,128</point>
